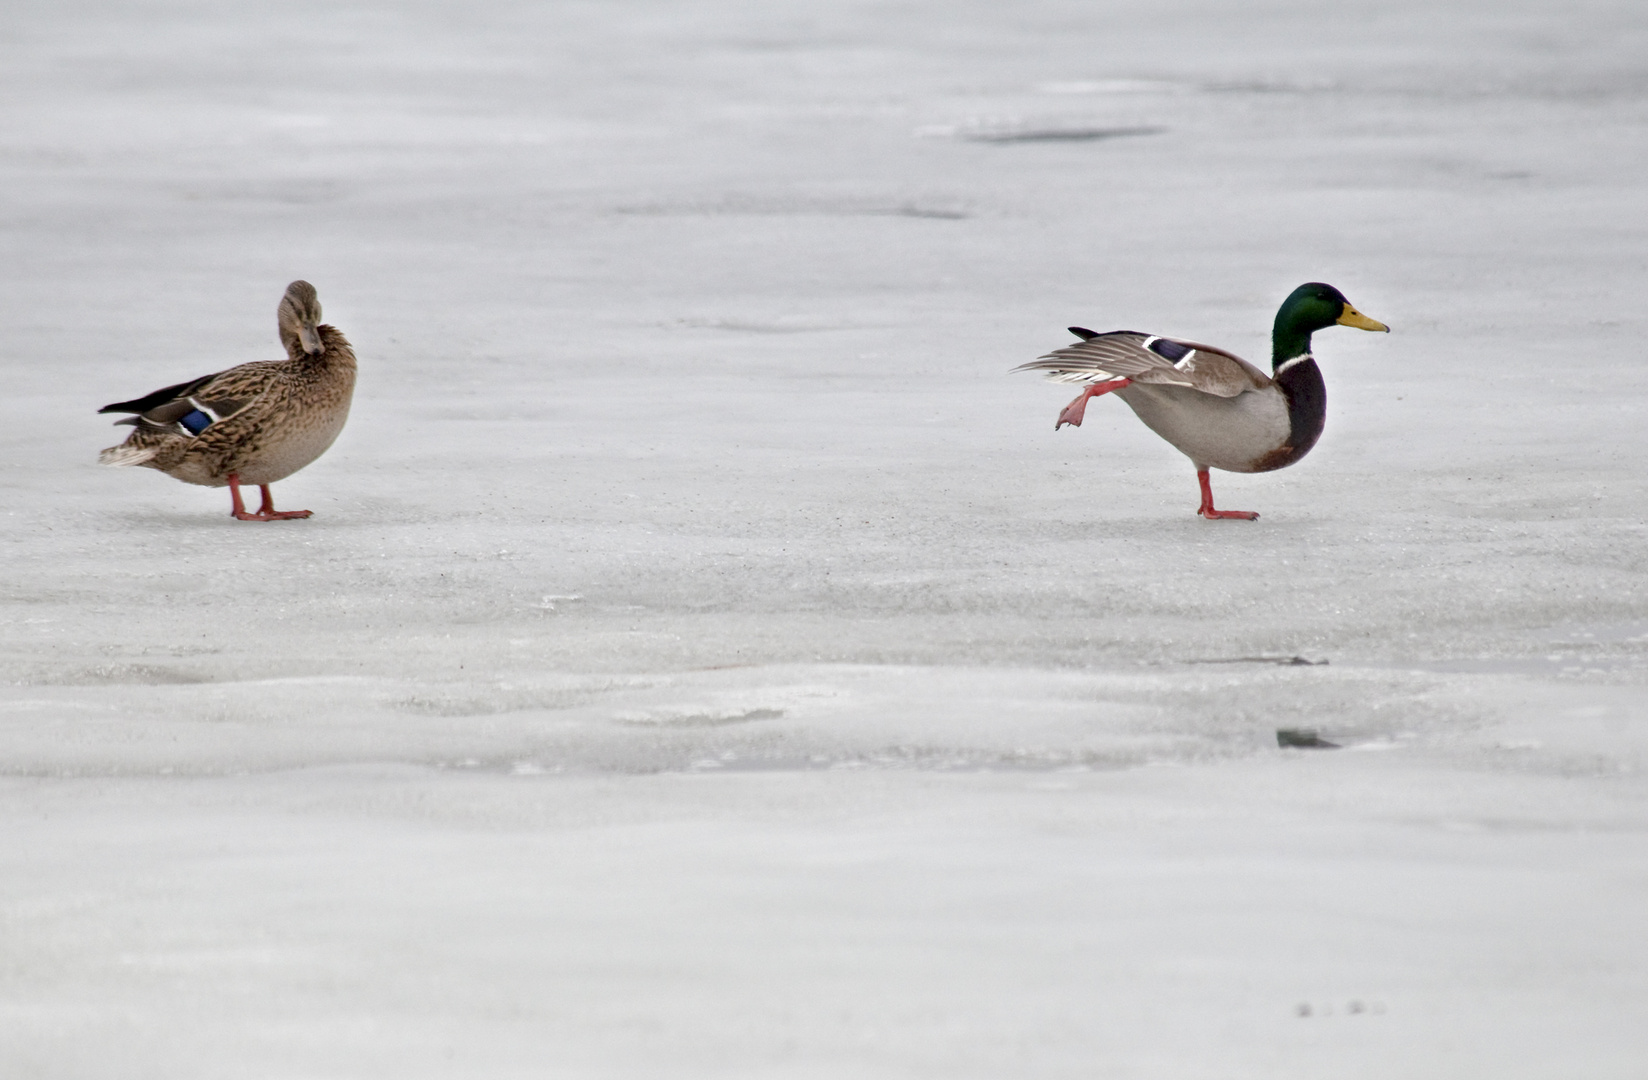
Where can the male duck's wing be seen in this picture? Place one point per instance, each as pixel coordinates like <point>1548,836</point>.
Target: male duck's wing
<point>1150,358</point>
<point>1216,371</point>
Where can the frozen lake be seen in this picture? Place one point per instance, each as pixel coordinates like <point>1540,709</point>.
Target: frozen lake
<point>705,659</point>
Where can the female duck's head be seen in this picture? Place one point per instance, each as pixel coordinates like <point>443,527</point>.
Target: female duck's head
<point>299,317</point>
<point>1309,308</point>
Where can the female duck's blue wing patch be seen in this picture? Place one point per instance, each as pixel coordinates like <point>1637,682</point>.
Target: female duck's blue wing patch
<point>184,409</point>
<point>187,416</point>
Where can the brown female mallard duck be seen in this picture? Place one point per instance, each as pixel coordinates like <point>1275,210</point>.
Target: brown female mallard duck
<point>253,424</point>
<point>1217,408</point>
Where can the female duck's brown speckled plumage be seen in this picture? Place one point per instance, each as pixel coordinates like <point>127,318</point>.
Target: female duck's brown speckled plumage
<point>253,424</point>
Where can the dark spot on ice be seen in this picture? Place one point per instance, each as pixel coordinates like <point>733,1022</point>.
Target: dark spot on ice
<point>1283,661</point>
<point>920,212</point>
<point>1303,738</point>
<point>1059,134</point>
<point>1354,1008</point>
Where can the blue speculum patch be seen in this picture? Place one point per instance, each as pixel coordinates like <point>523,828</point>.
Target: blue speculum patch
<point>196,422</point>
<point>1170,350</point>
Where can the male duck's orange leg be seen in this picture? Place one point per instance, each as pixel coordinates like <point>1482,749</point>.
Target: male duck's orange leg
<point>1074,411</point>
<point>266,512</point>
<point>1206,509</point>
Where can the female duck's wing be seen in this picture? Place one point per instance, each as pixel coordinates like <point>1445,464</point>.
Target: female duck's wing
<point>188,408</point>
<point>1149,358</point>
<point>160,397</point>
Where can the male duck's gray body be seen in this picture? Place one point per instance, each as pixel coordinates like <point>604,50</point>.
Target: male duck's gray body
<point>1237,434</point>
<point>1218,409</point>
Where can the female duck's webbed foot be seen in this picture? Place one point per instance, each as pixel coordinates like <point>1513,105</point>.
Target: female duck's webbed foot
<point>266,512</point>
<point>1074,411</point>
<point>1206,509</point>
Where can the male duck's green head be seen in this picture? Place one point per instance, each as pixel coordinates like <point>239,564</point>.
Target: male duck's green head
<point>1309,308</point>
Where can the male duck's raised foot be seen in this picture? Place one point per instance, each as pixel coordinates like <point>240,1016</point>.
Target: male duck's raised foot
<point>1073,413</point>
<point>1218,409</point>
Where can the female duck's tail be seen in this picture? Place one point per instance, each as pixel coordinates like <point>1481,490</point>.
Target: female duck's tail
<point>126,454</point>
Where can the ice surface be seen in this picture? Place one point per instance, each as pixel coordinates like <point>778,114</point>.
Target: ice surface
<point>706,660</point>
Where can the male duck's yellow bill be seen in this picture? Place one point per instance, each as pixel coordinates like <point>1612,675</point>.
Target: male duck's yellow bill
<point>1351,317</point>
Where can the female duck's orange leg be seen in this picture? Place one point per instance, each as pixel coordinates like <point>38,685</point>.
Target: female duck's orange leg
<point>266,512</point>
<point>1206,509</point>
<point>238,510</point>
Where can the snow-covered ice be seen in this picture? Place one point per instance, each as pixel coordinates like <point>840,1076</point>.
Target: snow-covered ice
<point>706,660</point>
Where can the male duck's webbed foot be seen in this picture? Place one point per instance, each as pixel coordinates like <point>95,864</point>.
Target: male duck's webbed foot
<point>266,512</point>
<point>1074,411</point>
<point>1206,509</point>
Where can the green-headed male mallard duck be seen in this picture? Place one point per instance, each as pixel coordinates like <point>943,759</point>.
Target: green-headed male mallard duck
<point>253,424</point>
<point>1217,408</point>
